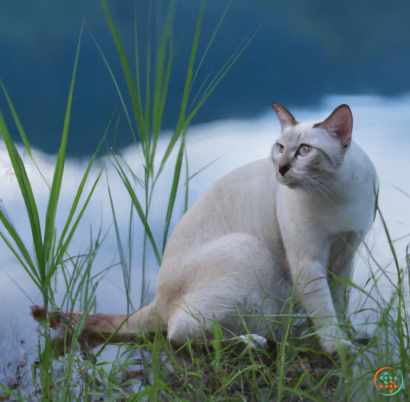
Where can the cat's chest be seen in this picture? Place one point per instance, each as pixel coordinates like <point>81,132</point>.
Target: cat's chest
<point>318,215</point>
<point>353,216</point>
<point>336,220</point>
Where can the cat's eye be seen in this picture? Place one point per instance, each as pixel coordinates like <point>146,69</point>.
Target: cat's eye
<point>303,150</point>
<point>280,148</point>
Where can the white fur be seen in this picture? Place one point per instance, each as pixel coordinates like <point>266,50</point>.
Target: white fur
<point>238,250</point>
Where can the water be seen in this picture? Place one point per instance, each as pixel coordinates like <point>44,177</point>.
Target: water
<point>380,128</point>
<point>301,54</point>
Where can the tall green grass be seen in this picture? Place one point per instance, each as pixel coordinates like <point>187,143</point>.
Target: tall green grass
<point>147,111</point>
<point>291,370</point>
<point>50,247</point>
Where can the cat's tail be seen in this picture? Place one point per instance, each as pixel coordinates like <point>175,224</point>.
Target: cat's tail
<point>99,328</point>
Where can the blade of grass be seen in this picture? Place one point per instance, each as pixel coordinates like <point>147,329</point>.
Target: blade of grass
<point>32,272</point>
<point>185,95</point>
<point>217,81</point>
<point>21,130</point>
<point>147,118</point>
<point>173,193</point>
<point>19,243</point>
<point>63,244</point>
<point>139,119</point>
<point>186,181</point>
<point>209,91</point>
<point>58,174</point>
<point>62,248</point>
<point>138,207</point>
<point>212,39</point>
<point>209,164</point>
<point>125,272</point>
<point>27,193</point>
<point>118,91</point>
<point>161,81</point>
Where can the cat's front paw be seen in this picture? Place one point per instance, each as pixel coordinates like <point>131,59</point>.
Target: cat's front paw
<point>254,341</point>
<point>331,347</point>
<point>332,340</point>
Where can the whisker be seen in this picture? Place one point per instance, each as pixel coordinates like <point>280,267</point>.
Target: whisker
<point>324,193</point>
<point>317,184</point>
<point>338,192</point>
<point>311,187</point>
<point>307,187</point>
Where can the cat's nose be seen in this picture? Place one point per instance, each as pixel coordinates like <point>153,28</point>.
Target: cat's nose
<point>283,169</point>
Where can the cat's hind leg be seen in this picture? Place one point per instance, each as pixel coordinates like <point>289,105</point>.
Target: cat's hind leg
<point>187,327</point>
<point>234,283</point>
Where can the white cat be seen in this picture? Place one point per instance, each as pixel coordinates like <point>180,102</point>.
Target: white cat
<point>244,243</point>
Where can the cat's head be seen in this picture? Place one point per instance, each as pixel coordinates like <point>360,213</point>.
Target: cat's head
<point>306,152</point>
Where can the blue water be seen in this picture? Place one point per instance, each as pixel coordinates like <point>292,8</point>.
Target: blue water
<point>303,52</point>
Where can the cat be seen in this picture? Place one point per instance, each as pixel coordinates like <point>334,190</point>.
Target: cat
<point>290,220</point>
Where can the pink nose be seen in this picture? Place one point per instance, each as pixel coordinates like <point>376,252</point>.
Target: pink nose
<point>283,169</point>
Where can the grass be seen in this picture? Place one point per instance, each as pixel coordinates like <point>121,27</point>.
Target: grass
<point>291,370</point>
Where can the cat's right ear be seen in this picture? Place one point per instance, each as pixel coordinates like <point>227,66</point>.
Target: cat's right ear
<point>285,117</point>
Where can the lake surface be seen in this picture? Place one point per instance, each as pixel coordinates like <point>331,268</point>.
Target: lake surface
<point>380,128</point>
<point>302,52</point>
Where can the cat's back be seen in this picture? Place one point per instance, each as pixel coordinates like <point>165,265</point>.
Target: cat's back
<point>242,201</point>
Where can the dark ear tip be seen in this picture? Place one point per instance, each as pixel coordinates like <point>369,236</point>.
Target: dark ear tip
<point>346,107</point>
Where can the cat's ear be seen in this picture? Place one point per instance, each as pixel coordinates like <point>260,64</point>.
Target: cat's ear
<point>284,116</point>
<point>339,124</point>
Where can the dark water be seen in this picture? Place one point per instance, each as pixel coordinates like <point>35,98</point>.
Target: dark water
<point>302,52</point>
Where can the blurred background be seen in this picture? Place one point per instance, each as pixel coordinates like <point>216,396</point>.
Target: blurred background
<point>309,56</point>
<point>303,52</point>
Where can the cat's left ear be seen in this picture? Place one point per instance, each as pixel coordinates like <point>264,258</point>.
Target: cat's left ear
<point>339,124</point>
